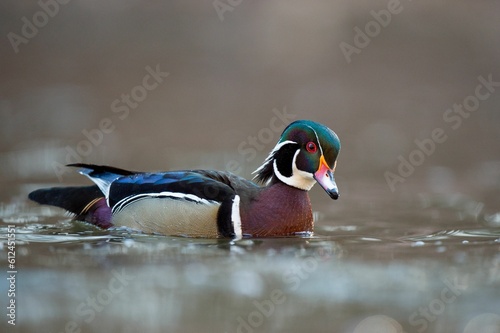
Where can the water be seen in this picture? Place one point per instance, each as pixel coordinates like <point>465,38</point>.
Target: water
<point>430,264</point>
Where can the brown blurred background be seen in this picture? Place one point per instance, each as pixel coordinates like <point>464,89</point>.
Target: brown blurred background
<point>230,67</point>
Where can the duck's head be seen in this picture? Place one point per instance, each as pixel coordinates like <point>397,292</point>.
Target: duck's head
<point>305,154</point>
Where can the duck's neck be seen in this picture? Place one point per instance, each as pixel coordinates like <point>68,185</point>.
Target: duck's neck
<point>278,210</point>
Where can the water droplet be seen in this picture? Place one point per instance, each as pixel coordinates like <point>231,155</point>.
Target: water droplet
<point>441,249</point>
<point>247,283</point>
<point>370,239</point>
<point>128,242</point>
<point>378,323</point>
<point>493,219</point>
<point>486,322</point>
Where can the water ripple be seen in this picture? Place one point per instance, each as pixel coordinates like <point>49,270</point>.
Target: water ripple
<point>477,234</point>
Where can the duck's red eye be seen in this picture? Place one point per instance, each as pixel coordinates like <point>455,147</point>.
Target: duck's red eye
<point>311,147</point>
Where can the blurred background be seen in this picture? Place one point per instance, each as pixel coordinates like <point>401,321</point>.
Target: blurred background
<point>161,85</point>
<point>229,66</point>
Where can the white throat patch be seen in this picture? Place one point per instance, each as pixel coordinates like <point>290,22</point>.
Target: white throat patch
<point>299,179</point>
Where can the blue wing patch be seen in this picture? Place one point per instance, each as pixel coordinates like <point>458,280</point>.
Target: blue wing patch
<point>189,183</point>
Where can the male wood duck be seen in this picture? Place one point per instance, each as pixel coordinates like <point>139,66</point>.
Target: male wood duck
<point>207,203</point>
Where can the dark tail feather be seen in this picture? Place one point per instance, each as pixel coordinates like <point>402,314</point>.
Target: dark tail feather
<point>77,200</point>
<point>86,202</point>
<point>73,199</point>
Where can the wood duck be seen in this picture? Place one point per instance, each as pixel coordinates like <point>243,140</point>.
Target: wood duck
<point>207,203</point>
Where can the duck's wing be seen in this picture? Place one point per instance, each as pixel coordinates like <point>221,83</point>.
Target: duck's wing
<point>192,185</point>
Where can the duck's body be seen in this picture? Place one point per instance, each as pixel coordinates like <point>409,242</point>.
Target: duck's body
<point>206,203</point>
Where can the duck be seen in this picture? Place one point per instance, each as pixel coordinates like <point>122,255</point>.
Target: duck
<point>209,203</point>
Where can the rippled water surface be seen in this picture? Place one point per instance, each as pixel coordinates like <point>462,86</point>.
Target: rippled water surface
<point>430,264</point>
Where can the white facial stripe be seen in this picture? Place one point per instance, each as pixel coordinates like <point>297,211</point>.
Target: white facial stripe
<point>236,218</point>
<point>270,156</point>
<point>299,179</point>
<point>317,139</point>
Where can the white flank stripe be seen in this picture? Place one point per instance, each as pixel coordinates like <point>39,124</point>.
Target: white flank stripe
<point>191,197</point>
<point>236,218</point>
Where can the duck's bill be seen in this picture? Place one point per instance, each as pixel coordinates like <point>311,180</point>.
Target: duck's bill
<point>324,177</point>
